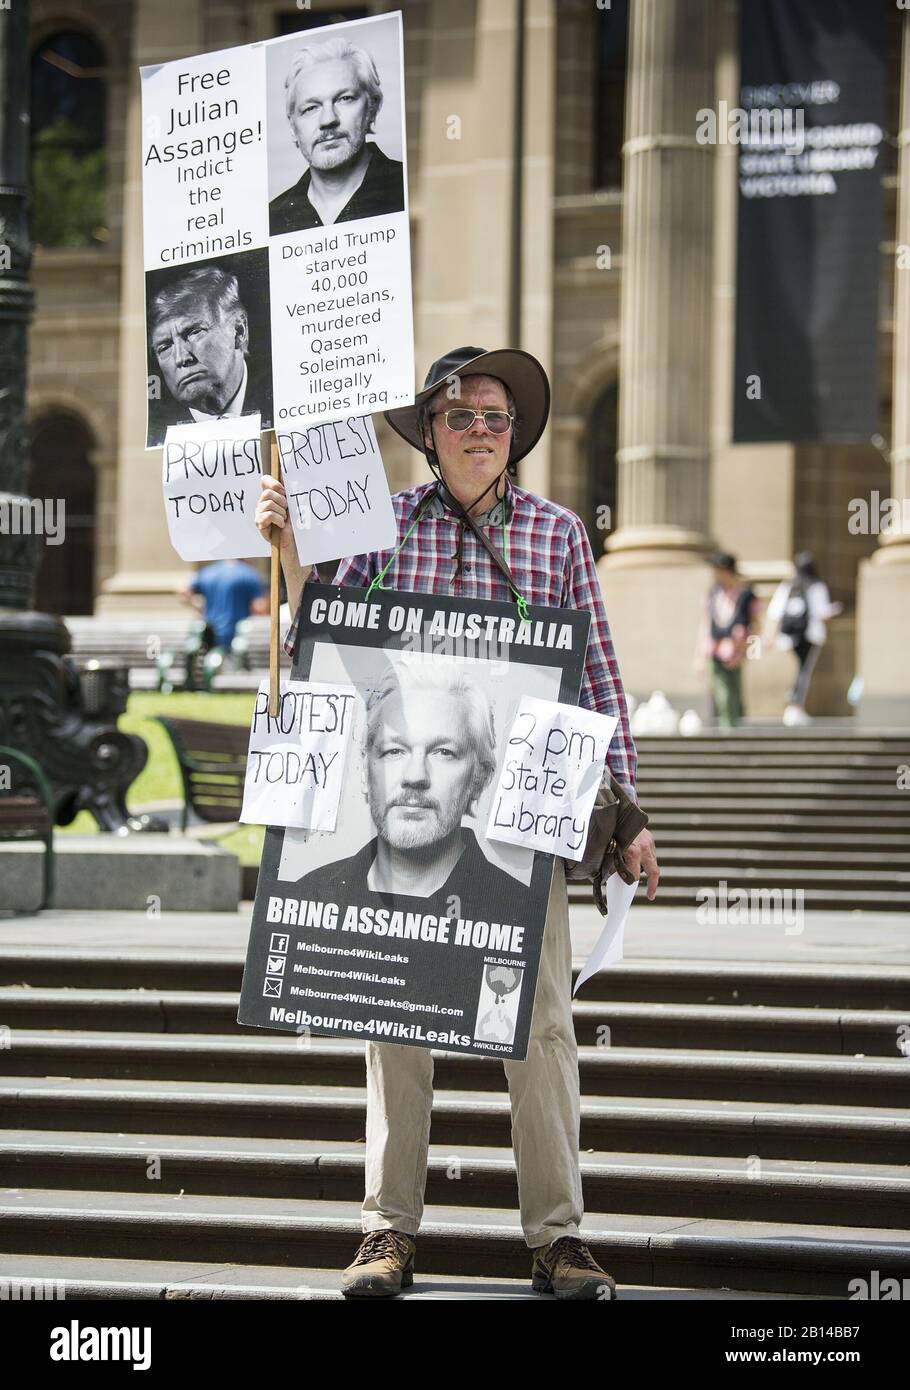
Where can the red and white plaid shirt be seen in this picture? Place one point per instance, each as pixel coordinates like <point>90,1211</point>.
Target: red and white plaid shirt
<point>553,564</point>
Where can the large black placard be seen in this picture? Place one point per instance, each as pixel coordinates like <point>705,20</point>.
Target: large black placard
<point>407,924</point>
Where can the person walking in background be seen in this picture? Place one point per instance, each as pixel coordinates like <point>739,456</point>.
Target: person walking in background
<point>225,591</point>
<point>799,610</point>
<point>731,610</point>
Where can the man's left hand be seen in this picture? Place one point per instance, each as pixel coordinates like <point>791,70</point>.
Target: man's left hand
<point>642,854</point>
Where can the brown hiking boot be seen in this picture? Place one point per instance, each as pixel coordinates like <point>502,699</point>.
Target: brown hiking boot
<point>567,1269</point>
<point>382,1267</point>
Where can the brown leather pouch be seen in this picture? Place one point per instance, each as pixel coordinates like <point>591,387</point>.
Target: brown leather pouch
<point>615,822</point>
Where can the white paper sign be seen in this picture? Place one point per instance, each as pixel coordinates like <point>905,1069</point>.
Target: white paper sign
<point>296,760</point>
<point>338,494</point>
<point>609,945</point>
<point>553,766</point>
<point>204,171</point>
<point>211,474</point>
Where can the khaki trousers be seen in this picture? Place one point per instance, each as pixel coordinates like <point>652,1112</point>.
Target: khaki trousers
<point>544,1097</point>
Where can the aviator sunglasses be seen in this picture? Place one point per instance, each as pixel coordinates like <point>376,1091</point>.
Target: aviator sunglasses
<point>461,419</point>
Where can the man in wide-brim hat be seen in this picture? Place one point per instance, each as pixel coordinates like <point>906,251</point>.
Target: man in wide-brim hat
<point>477,415</point>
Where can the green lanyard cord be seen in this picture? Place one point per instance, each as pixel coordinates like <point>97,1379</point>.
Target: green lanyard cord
<point>520,599</point>
<point>376,582</point>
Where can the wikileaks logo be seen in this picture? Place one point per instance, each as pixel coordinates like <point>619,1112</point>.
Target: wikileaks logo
<point>75,1343</point>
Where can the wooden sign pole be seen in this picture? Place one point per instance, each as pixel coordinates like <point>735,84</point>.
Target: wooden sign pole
<point>275,572</point>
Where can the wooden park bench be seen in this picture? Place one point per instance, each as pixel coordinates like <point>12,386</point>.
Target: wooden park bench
<point>27,810</point>
<point>212,759</point>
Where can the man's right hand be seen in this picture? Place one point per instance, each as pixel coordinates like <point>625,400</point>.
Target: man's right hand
<point>272,510</point>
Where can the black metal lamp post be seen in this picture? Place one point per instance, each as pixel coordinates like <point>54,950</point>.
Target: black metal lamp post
<point>88,761</point>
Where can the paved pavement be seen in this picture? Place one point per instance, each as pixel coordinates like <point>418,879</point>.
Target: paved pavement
<point>654,933</point>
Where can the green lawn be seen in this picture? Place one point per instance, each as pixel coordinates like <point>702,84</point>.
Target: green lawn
<point>160,778</point>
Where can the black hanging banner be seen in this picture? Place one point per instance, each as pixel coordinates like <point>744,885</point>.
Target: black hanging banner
<point>810,220</point>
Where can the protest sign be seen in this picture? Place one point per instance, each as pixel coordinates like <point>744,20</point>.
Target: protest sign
<point>337,491</point>
<point>211,478</point>
<point>276,230</point>
<point>296,760</point>
<point>409,924</point>
<point>553,766</point>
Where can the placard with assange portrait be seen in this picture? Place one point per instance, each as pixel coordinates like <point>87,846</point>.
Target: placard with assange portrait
<point>406,924</point>
<point>276,229</point>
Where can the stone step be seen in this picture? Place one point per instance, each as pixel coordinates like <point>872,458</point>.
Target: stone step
<point>833,878</point>
<point>745,822</point>
<point>793,856</point>
<point>728,1128</point>
<point>747,1188</point>
<point>809,839</point>
<point>768,1256</point>
<point>743,1027</point>
<point>132,873</point>
<point>756,796</point>
<point>840,987</point>
<point>75,1277</point>
<point>731,1027</point>
<point>133,967</point>
<point>180,971</point>
<point>812,780</point>
<point>265,1057</point>
<point>776,737</point>
<point>683,894</point>
<point>795,844</point>
<point>836,760</point>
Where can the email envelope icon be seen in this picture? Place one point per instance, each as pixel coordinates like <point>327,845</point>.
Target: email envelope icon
<point>272,988</point>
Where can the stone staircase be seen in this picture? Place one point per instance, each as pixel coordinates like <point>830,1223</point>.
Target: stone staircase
<point>816,809</point>
<point>745,1132</point>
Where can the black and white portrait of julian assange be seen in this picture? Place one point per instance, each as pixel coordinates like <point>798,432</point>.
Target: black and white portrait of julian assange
<point>333,96</point>
<point>429,753</point>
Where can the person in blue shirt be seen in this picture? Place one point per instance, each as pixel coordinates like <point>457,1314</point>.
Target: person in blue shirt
<point>230,590</point>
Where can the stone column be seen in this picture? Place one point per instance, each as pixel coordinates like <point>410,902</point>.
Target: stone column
<point>463,259</point>
<point>654,574</point>
<point>883,592</point>
<point>539,186</point>
<point>147,567</point>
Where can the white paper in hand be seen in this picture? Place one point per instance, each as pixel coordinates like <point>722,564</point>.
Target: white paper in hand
<point>609,945</point>
<point>296,760</point>
<point>553,766</point>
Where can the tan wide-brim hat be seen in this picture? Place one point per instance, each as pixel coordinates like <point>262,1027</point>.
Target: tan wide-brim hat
<point>520,372</point>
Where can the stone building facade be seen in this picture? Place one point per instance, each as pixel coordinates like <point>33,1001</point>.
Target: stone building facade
<point>559,202</point>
